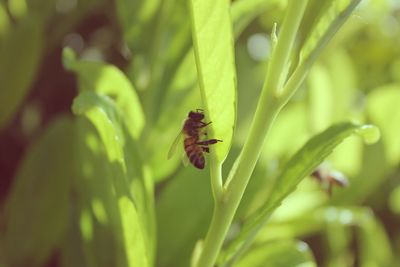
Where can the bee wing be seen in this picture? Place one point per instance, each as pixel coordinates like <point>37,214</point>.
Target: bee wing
<point>174,145</point>
<point>185,159</point>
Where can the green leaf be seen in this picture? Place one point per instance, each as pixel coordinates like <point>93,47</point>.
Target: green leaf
<point>320,101</point>
<point>134,17</point>
<point>184,208</point>
<point>165,131</point>
<point>99,110</point>
<point>133,238</point>
<point>181,98</point>
<point>331,18</point>
<point>107,226</point>
<point>299,166</point>
<point>20,52</point>
<point>382,107</point>
<point>310,156</point>
<point>123,200</point>
<point>108,80</point>
<point>324,19</point>
<point>394,200</point>
<point>281,253</point>
<point>213,46</point>
<point>37,207</point>
<point>4,24</point>
<point>372,242</point>
<point>115,110</point>
<point>244,11</point>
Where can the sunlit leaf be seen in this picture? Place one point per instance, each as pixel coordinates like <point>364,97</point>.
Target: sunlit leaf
<point>299,166</point>
<point>108,100</point>
<point>280,253</point>
<point>103,211</point>
<point>98,110</point>
<point>330,21</point>
<point>108,80</point>
<point>181,98</point>
<point>122,172</point>
<point>213,46</point>
<point>133,238</point>
<point>37,207</point>
<point>309,157</point>
<point>331,15</point>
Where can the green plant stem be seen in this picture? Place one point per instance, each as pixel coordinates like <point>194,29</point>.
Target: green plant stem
<point>267,109</point>
<point>216,179</point>
<point>302,70</point>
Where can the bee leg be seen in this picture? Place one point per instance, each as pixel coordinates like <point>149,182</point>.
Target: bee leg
<point>205,149</point>
<point>208,142</point>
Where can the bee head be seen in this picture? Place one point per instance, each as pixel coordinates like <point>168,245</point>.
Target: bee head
<point>196,115</point>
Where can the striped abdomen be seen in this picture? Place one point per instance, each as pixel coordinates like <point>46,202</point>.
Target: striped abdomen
<point>194,152</point>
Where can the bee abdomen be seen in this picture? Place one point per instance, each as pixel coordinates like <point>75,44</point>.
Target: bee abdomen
<point>196,157</point>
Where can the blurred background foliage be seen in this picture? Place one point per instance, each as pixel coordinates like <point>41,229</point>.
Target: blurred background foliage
<point>84,135</point>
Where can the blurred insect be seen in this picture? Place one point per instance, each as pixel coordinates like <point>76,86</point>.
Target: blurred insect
<point>328,179</point>
<point>193,146</point>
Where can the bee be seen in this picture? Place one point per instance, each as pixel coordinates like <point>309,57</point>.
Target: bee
<point>328,179</point>
<point>193,145</point>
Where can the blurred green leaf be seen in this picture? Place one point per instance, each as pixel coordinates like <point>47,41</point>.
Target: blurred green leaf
<point>119,210</point>
<point>99,110</point>
<point>20,51</point>
<point>282,253</point>
<point>95,233</point>
<point>107,225</point>
<point>375,247</point>
<point>299,166</point>
<point>110,102</point>
<point>368,179</point>
<point>37,207</point>
<point>133,238</point>
<point>134,17</point>
<point>108,80</point>
<point>344,85</point>
<point>170,42</point>
<point>184,208</point>
<point>309,157</point>
<point>326,19</point>
<point>320,99</point>
<point>382,107</point>
<point>338,239</point>
<point>4,25</point>
<point>18,8</point>
<point>281,141</point>
<point>244,11</point>
<point>394,200</point>
<point>214,52</point>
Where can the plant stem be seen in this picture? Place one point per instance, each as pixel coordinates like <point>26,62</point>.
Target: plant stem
<point>267,109</point>
<point>216,178</point>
